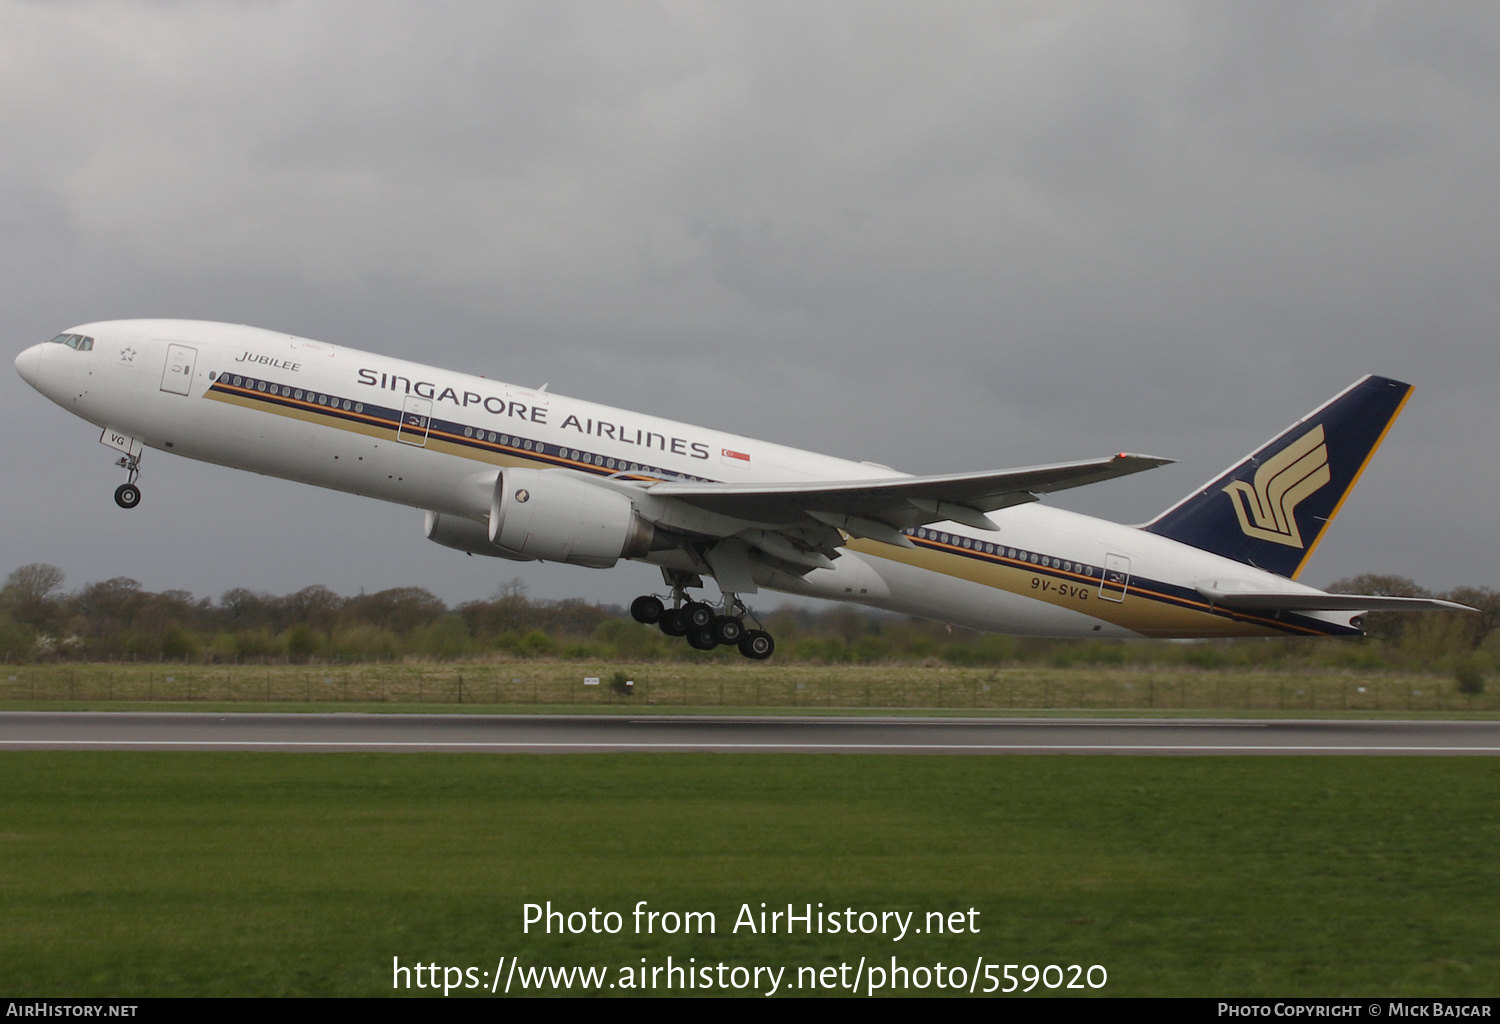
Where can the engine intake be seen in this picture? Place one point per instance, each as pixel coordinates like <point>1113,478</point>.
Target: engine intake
<point>558,516</point>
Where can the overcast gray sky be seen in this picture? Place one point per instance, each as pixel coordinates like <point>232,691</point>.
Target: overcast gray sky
<point>941,236</point>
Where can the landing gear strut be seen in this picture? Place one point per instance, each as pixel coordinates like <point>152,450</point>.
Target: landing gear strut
<point>128,495</point>
<point>703,626</point>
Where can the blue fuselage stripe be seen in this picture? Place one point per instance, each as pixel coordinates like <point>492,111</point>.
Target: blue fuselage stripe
<point>348,410</point>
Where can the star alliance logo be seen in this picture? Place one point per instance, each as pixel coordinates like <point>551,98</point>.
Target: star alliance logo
<point>1281,484</point>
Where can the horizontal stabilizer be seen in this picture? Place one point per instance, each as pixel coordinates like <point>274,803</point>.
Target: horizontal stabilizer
<point>1303,601</point>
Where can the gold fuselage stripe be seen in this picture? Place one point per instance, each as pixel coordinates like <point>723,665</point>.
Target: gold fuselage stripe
<point>1142,610</point>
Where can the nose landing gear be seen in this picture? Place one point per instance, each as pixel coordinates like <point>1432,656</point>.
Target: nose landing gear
<point>128,494</point>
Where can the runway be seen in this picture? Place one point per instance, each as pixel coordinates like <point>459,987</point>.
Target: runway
<point>559,734</point>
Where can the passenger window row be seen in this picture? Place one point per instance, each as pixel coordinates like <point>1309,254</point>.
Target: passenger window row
<point>1001,551</point>
<point>609,465</point>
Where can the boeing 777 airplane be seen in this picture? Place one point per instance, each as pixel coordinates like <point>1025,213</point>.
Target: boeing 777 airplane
<point>520,473</point>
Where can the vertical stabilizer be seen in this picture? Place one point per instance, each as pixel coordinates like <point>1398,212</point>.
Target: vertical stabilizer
<point>1272,507</point>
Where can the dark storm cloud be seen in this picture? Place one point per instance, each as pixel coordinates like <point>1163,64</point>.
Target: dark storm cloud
<point>939,236</point>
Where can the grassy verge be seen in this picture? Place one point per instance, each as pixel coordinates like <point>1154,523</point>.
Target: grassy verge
<point>249,874</point>
<point>627,709</point>
<point>559,684</point>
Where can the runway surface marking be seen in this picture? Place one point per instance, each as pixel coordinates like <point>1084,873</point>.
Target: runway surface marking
<point>649,745</point>
<point>607,734</point>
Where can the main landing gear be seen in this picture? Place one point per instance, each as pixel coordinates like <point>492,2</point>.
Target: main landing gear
<point>703,626</point>
<point>128,494</point>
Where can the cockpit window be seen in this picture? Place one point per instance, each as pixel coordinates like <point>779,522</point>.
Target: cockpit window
<point>77,341</point>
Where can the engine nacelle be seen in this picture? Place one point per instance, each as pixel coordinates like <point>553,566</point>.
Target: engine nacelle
<point>465,534</point>
<point>559,516</point>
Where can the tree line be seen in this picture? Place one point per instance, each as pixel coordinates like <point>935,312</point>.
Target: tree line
<point>118,619</point>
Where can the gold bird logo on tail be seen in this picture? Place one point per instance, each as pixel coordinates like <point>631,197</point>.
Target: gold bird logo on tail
<point>1281,484</point>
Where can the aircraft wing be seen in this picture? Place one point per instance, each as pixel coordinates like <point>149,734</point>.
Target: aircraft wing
<point>1305,602</point>
<point>880,508</point>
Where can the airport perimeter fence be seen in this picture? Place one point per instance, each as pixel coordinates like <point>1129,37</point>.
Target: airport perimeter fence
<point>888,687</point>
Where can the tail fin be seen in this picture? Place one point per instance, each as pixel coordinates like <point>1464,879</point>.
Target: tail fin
<point>1272,507</point>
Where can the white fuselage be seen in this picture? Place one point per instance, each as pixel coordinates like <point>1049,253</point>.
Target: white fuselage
<point>333,417</point>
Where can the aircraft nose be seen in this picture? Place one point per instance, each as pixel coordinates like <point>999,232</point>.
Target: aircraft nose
<point>29,364</point>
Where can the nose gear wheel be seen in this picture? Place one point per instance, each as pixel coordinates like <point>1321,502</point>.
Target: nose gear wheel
<point>128,494</point>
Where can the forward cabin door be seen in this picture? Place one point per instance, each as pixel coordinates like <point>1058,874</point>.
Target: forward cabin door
<point>177,375</point>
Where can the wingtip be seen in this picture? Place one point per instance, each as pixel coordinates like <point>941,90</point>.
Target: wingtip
<point>1155,460</point>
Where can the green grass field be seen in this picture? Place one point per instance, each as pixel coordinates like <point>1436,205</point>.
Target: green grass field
<point>247,874</point>
<point>666,685</point>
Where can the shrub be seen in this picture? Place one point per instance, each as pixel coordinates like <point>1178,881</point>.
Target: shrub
<point>1469,676</point>
<point>15,639</point>
<point>446,638</point>
<point>257,644</point>
<point>536,644</point>
<point>178,644</point>
<point>301,643</point>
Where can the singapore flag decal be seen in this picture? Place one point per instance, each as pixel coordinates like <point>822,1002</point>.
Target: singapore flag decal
<point>730,457</point>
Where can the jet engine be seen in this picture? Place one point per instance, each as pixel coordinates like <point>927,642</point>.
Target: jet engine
<point>465,534</point>
<point>559,516</point>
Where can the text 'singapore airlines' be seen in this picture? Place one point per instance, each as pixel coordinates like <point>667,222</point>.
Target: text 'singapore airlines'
<point>520,473</point>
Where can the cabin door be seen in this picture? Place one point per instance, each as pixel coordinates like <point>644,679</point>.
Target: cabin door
<point>416,421</point>
<point>177,375</point>
<point>1116,578</point>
